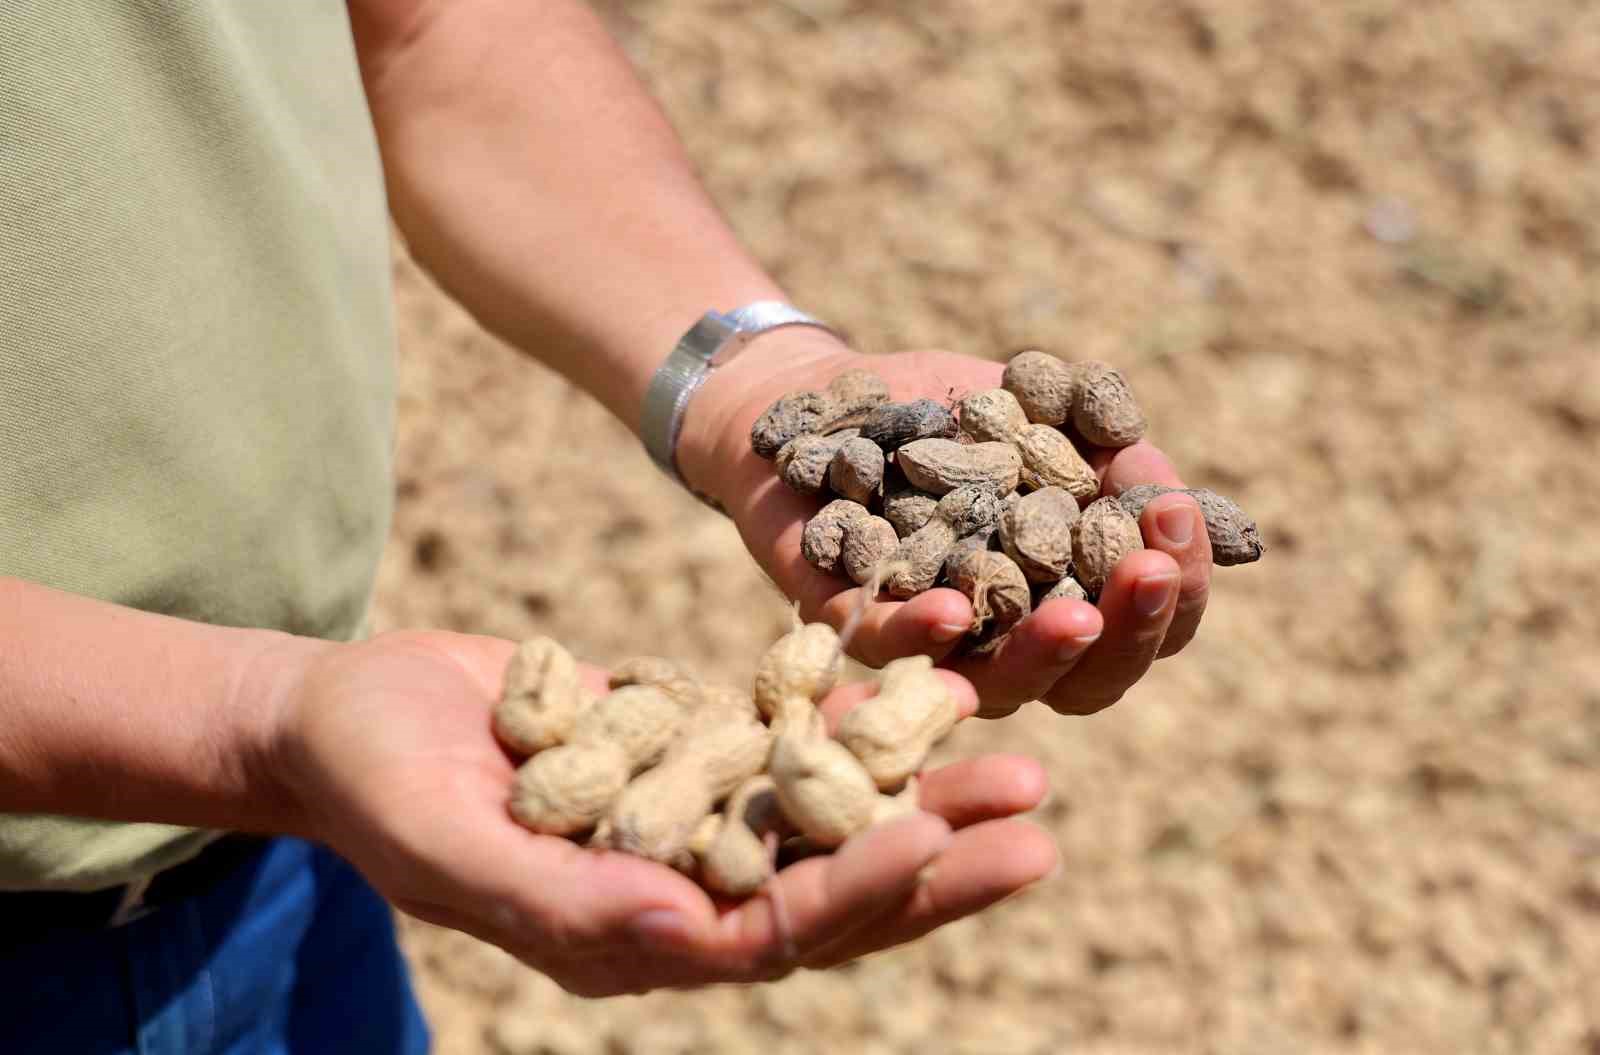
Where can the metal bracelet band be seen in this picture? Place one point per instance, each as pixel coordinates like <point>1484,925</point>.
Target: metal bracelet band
<point>710,342</point>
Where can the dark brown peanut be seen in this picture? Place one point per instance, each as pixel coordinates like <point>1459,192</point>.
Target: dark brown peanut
<point>804,461</point>
<point>822,543</point>
<point>909,509</point>
<point>1103,535</point>
<point>940,466</point>
<point>964,511</point>
<point>893,425</point>
<point>856,471</point>
<point>844,404</point>
<point>1048,457</point>
<point>868,542</point>
<point>1105,412</point>
<point>1234,537</point>
<point>1043,385</point>
<point>995,586</point>
<point>1068,587</point>
<point>1036,532</point>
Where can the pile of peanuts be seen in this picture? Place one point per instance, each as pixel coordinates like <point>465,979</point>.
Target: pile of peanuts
<point>984,497</point>
<point>705,778</point>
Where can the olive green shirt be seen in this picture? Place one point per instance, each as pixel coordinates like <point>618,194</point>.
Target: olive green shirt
<point>196,337</point>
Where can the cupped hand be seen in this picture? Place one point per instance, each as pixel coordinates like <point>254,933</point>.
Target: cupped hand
<point>1076,657</point>
<point>386,747</point>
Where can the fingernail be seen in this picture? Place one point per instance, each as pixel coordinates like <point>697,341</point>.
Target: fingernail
<point>1152,593</point>
<point>660,927</point>
<point>1177,524</point>
<point>1077,646</point>
<point>944,633</point>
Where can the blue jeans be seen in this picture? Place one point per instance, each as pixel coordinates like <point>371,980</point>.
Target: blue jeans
<point>292,952</point>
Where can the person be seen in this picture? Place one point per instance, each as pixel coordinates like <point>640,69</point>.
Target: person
<point>196,421</point>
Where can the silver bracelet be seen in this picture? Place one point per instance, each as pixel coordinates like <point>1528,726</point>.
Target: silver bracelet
<point>709,343</point>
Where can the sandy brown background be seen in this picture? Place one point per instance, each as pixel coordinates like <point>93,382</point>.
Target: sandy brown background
<point>1348,255</point>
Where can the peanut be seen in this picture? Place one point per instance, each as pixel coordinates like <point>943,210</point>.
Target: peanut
<point>657,814</point>
<point>892,732</point>
<point>1044,386</point>
<point>1036,532</point>
<point>965,511</point>
<point>1048,458</point>
<point>1103,535</point>
<point>868,542</point>
<point>893,425</point>
<point>1105,412</point>
<point>908,509</point>
<point>940,466</point>
<point>822,542</point>
<point>721,703</point>
<point>796,672</point>
<point>964,548</point>
<point>803,462</point>
<point>844,404</point>
<point>1068,587</point>
<point>995,586</point>
<point>824,791</point>
<point>568,788</point>
<point>1234,537</point>
<point>665,675</point>
<point>856,471</point>
<point>843,534</point>
<point>541,698</point>
<point>736,862</point>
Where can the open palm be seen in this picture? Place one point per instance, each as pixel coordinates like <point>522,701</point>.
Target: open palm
<point>1077,657</point>
<point>389,745</point>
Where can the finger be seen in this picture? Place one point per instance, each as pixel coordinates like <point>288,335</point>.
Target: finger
<point>592,921</point>
<point>981,789</point>
<point>1125,467</point>
<point>929,624</point>
<point>984,864</point>
<point>1173,524</point>
<point>1137,605</point>
<point>842,701</point>
<point>822,899</point>
<point>1037,654</point>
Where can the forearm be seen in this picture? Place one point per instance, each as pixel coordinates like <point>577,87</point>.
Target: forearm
<point>535,178</point>
<point>110,712</point>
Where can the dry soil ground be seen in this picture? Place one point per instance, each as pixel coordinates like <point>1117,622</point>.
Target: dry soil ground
<point>1349,255</point>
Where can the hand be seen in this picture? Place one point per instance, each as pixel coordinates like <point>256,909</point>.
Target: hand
<point>1075,657</point>
<point>387,749</point>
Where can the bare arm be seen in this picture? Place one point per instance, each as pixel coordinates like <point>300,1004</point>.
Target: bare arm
<point>115,713</point>
<point>537,180</point>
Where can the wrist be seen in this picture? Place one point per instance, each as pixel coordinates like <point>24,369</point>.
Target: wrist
<point>262,711</point>
<point>713,454</point>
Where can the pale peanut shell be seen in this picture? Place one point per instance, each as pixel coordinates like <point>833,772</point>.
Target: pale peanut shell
<point>892,733</point>
<point>541,697</point>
